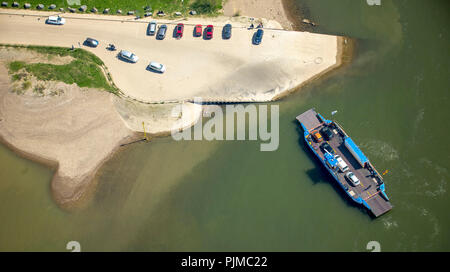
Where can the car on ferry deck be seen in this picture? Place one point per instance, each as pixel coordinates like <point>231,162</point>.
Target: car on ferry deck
<point>341,164</point>
<point>326,147</point>
<point>327,133</point>
<point>352,178</point>
<point>317,136</point>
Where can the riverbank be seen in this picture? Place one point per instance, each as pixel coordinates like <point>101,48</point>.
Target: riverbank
<point>290,16</point>
<point>269,9</point>
<point>286,12</point>
<point>71,131</point>
<point>345,53</point>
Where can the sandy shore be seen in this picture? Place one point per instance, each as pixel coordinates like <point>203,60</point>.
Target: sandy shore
<point>269,9</point>
<point>71,130</point>
<point>74,130</point>
<point>78,130</point>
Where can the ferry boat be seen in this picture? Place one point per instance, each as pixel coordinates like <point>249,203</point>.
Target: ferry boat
<point>345,162</point>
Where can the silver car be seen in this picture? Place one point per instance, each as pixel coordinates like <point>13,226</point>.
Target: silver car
<point>352,178</point>
<point>161,32</point>
<point>158,67</point>
<point>127,55</point>
<point>151,30</point>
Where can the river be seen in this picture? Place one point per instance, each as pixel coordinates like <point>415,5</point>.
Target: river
<point>229,196</point>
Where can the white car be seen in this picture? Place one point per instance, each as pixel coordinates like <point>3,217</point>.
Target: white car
<point>56,20</point>
<point>352,178</point>
<point>127,55</point>
<point>341,164</point>
<point>158,67</point>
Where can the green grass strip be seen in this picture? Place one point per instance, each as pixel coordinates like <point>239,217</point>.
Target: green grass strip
<point>85,70</point>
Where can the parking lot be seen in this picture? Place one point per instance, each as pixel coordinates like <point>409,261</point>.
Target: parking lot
<point>215,69</point>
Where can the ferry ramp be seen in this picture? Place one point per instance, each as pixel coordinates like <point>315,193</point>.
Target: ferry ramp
<point>309,119</point>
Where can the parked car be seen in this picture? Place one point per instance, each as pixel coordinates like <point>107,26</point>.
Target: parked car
<point>226,31</point>
<point>326,147</point>
<point>209,32</point>
<point>179,31</point>
<point>158,67</point>
<point>198,31</point>
<point>341,164</point>
<point>151,29</point>
<point>161,32</point>
<point>327,133</point>
<point>257,37</point>
<point>55,20</point>
<point>352,178</point>
<point>127,55</point>
<point>91,42</point>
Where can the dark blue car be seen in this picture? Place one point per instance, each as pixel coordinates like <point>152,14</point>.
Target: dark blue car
<point>226,31</point>
<point>91,42</point>
<point>257,38</point>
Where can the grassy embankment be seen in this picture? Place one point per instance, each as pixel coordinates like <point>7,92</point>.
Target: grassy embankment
<point>85,70</point>
<point>209,7</point>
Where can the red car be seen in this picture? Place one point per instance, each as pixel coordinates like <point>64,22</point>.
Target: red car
<point>198,31</point>
<point>209,32</point>
<point>179,33</point>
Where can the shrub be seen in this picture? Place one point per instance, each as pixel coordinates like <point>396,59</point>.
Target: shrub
<point>39,89</point>
<point>26,85</point>
<point>19,76</point>
<point>15,66</point>
<point>206,6</point>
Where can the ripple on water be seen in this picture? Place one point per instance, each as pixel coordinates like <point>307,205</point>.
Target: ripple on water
<point>438,186</point>
<point>389,223</point>
<point>419,118</point>
<point>413,239</point>
<point>381,149</point>
<point>435,227</point>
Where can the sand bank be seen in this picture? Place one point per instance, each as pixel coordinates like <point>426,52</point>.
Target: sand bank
<point>74,130</point>
<point>258,9</point>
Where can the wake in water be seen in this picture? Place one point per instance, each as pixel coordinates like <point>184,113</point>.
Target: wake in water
<point>380,149</point>
<point>439,187</point>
